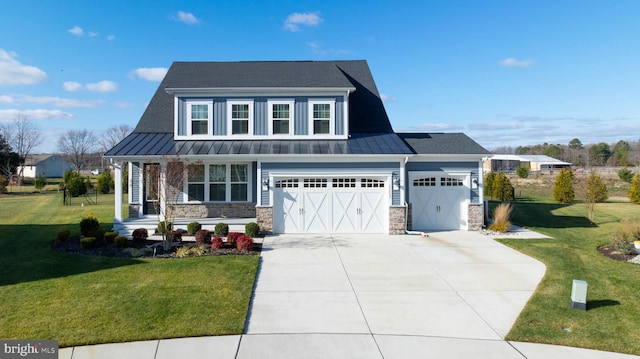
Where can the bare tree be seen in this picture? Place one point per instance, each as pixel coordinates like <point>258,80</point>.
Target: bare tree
<point>113,136</point>
<point>74,145</point>
<point>23,136</point>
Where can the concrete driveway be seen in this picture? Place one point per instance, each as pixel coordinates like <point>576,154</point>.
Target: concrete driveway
<point>389,294</point>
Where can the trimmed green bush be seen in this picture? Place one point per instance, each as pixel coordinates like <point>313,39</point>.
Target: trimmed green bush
<point>634,190</point>
<point>193,227</point>
<point>489,179</point>
<point>88,242</point>
<point>221,229</point>
<point>164,226</point>
<point>98,234</point>
<point>502,188</point>
<point>625,174</point>
<point>41,181</point>
<point>522,172</point>
<point>88,223</point>
<point>120,241</point>
<point>563,187</point>
<point>252,229</point>
<point>63,235</point>
<point>110,236</point>
<point>105,182</point>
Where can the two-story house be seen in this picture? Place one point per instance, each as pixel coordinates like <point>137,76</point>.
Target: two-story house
<point>302,146</point>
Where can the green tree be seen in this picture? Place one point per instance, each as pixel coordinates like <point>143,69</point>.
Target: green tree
<point>41,181</point>
<point>522,172</point>
<point>634,190</point>
<point>554,151</point>
<point>489,179</point>
<point>575,144</point>
<point>105,182</point>
<point>502,189</point>
<point>599,154</point>
<point>620,151</point>
<point>563,187</point>
<point>625,174</point>
<point>596,193</point>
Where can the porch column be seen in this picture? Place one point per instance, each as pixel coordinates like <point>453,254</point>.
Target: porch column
<point>118,188</point>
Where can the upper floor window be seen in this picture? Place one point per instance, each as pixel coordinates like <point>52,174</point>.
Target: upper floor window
<point>280,117</point>
<point>321,116</point>
<point>240,115</point>
<point>199,113</point>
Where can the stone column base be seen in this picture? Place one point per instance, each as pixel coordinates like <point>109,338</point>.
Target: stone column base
<point>264,218</point>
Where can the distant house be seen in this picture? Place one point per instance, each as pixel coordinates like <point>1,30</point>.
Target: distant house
<point>48,165</point>
<point>535,163</point>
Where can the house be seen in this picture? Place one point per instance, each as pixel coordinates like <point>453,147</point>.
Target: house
<point>534,163</point>
<point>302,146</point>
<point>51,166</point>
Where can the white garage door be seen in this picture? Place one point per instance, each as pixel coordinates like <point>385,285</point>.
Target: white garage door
<point>330,205</point>
<point>438,202</point>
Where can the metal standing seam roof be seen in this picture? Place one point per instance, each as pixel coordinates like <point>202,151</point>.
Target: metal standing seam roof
<point>156,144</point>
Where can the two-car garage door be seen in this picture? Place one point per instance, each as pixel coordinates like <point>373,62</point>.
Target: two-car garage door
<point>330,205</point>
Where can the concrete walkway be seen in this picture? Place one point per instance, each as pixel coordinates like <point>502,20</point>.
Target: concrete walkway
<point>448,295</point>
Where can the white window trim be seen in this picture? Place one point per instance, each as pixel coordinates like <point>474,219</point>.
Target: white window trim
<point>228,183</point>
<point>332,117</point>
<point>291,104</point>
<point>209,120</point>
<point>249,133</point>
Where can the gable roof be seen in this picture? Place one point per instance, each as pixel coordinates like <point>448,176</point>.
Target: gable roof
<point>33,160</point>
<point>442,143</point>
<point>366,111</point>
<point>542,159</point>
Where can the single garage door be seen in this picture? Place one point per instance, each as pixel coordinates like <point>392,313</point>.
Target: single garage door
<point>438,202</point>
<point>330,205</point>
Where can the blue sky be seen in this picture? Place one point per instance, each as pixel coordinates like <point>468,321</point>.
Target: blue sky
<point>506,73</point>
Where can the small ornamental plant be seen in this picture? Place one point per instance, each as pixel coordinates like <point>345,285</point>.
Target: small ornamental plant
<point>193,227</point>
<point>233,237</point>
<point>203,237</point>
<point>221,229</point>
<point>216,242</point>
<point>244,243</point>
<point>110,236</point>
<point>252,229</point>
<point>63,235</point>
<point>120,241</point>
<point>88,242</point>
<point>140,235</point>
<point>88,223</point>
<point>501,218</point>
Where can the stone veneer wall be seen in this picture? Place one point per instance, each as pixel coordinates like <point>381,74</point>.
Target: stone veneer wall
<point>476,216</point>
<point>397,216</point>
<point>134,210</point>
<point>409,217</point>
<point>264,218</point>
<point>216,210</point>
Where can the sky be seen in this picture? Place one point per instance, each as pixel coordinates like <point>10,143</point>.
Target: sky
<point>506,73</point>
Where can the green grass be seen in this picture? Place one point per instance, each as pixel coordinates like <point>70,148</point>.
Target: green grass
<point>612,321</point>
<point>82,300</point>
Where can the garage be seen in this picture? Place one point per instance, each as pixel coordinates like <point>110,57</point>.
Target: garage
<point>330,205</point>
<point>439,201</point>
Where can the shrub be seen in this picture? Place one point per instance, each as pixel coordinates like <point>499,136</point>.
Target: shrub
<point>110,236</point>
<point>501,218</point>
<point>88,223</point>
<point>216,242</point>
<point>563,187</point>
<point>522,172</point>
<point>98,234</point>
<point>193,227</point>
<point>203,237</point>
<point>190,251</point>
<point>63,235</point>
<point>634,190</point>
<point>41,181</point>
<point>88,242</point>
<point>233,237</point>
<point>3,184</point>
<point>625,174</point>
<point>74,183</point>
<point>488,183</point>
<point>120,241</point>
<point>502,188</point>
<point>164,226</point>
<point>140,235</point>
<point>244,243</point>
<point>252,229</point>
<point>176,235</point>
<point>221,229</point>
<point>105,182</point>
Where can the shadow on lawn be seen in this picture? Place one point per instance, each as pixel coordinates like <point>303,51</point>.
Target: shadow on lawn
<point>595,304</point>
<point>26,255</point>
<point>532,214</point>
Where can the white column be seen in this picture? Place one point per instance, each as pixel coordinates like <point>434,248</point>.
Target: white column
<point>118,187</point>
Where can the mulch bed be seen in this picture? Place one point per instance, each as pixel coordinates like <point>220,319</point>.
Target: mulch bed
<point>145,251</point>
<point>610,251</point>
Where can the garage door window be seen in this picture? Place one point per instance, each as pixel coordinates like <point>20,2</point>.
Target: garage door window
<point>344,183</point>
<point>371,183</point>
<point>288,183</point>
<point>425,182</point>
<point>450,182</point>
<point>315,183</point>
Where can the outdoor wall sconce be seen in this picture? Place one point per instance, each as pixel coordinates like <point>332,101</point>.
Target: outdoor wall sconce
<point>396,183</point>
<point>265,185</point>
<point>474,183</point>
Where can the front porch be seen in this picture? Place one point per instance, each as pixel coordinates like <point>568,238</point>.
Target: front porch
<point>150,223</point>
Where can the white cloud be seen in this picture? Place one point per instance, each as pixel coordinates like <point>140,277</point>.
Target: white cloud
<point>111,37</point>
<point>102,86</point>
<point>511,62</point>
<point>187,18</point>
<point>6,99</point>
<point>72,86</point>
<point>293,21</point>
<point>40,114</point>
<point>433,127</point>
<point>12,72</point>
<point>76,30</point>
<point>386,98</point>
<point>93,34</point>
<point>150,73</point>
<point>122,104</point>
<point>49,100</point>
<point>317,48</point>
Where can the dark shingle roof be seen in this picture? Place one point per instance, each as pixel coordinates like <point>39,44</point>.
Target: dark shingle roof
<point>442,143</point>
<point>159,144</point>
<point>366,111</point>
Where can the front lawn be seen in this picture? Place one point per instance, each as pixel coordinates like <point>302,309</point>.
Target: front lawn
<point>612,321</point>
<point>87,300</point>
